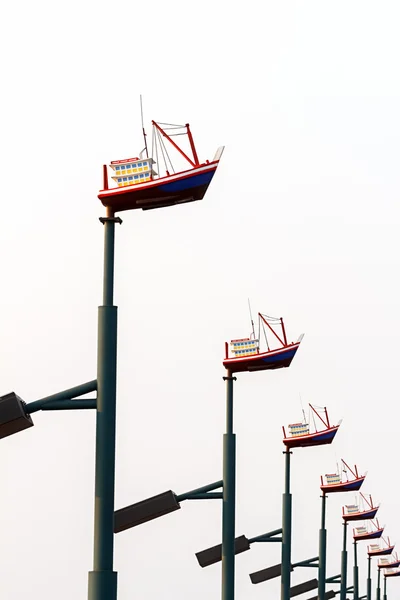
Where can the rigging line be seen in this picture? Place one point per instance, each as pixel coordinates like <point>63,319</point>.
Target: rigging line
<point>265,335</point>
<point>161,149</point>
<point>270,318</point>
<point>162,143</point>
<point>314,422</point>
<point>171,125</point>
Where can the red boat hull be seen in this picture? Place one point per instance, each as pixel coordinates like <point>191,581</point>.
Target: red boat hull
<point>392,565</point>
<point>396,574</point>
<point>319,438</point>
<point>275,359</point>
<point>347,486</point>
<point>372,535</point>
<point>187,186</point>
<point>361,516</point>
<point>381,552</point>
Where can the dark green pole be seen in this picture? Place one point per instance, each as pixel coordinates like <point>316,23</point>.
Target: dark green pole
<point>378,587</point>
<point>103,579</point>
<point>322,551</point>
<point>369,586</point>
<point>228,502</point>
<point>286,531</point>
<point>384,588</point>
<point>355,573</point>
<point>343,576</point>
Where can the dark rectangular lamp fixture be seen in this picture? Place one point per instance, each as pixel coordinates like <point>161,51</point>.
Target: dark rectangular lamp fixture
<point>267,574</point>
<point>12,415</point>
<point>213,555</point>
<point>328,596</point>
<point>303,587</point>
<point>144,511</point>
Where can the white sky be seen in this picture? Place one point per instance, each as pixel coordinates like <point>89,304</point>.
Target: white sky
<point>302,217</point>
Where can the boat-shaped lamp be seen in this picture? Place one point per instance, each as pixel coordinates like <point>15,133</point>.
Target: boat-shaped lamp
<point>341,481</point>
<point>137,183</point>
<point>362,510</point>
<point>392,573</point>
<point>389,563</point>
<point>371,531</point>
<point>378,550</point>
<point>302,435</point>
<point>246,353</point>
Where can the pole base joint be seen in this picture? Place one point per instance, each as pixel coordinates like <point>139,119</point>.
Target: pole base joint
<point>110,220</point>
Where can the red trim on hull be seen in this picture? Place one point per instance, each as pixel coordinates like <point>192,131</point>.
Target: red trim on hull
<point>260,362</point>
<point>149,195</point>
<point>382,551</point>
<point>397,574</point>
<point>392,565</point>
<point>311,439</point>
<point>371,535</point>
<point>344,486</point>
<point>361,516</point>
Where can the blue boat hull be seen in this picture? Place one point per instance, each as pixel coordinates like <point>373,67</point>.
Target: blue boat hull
<point>179,189</point>
<point>368,514</point>
<point>347,486</point>
<point>262,362</point>
<point>373,535</point>
<point>315,439</point>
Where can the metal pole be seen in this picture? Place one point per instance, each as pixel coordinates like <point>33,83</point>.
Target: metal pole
<point>103,579</point>
<point>228,503</point>
<point>355,575</point>
<point>384,589</point>
<point>343,576</point>
<point>322,551</point>
<point>286,531</point>
<point>369,586</point>
<point>378,587</point>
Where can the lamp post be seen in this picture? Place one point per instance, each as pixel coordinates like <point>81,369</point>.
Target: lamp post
<point>343,580</point>
<point>384,588</point>
<point>378,585</point>
<point>103,578</point>
<point>286,531</point>
<point>369,582</point>
<point>228,502</point>
<point>355,572</point>
<point>322,550</point>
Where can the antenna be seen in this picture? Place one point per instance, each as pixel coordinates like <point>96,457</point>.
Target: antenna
<point>251,319</point>
<point>302,409</point>
<point>144,133</point>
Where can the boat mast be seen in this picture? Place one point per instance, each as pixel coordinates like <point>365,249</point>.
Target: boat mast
<point>144,133</point>
<point>251,319</point>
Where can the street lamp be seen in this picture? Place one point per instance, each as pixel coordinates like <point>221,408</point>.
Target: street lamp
<point>136,186</point>
<point>212,555</point>
<point>12,415</point>
<point>160,505</point>
<point>245,356</point>
<point>362,511</point>
<point>334,483</point>
<point>299,436</point>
